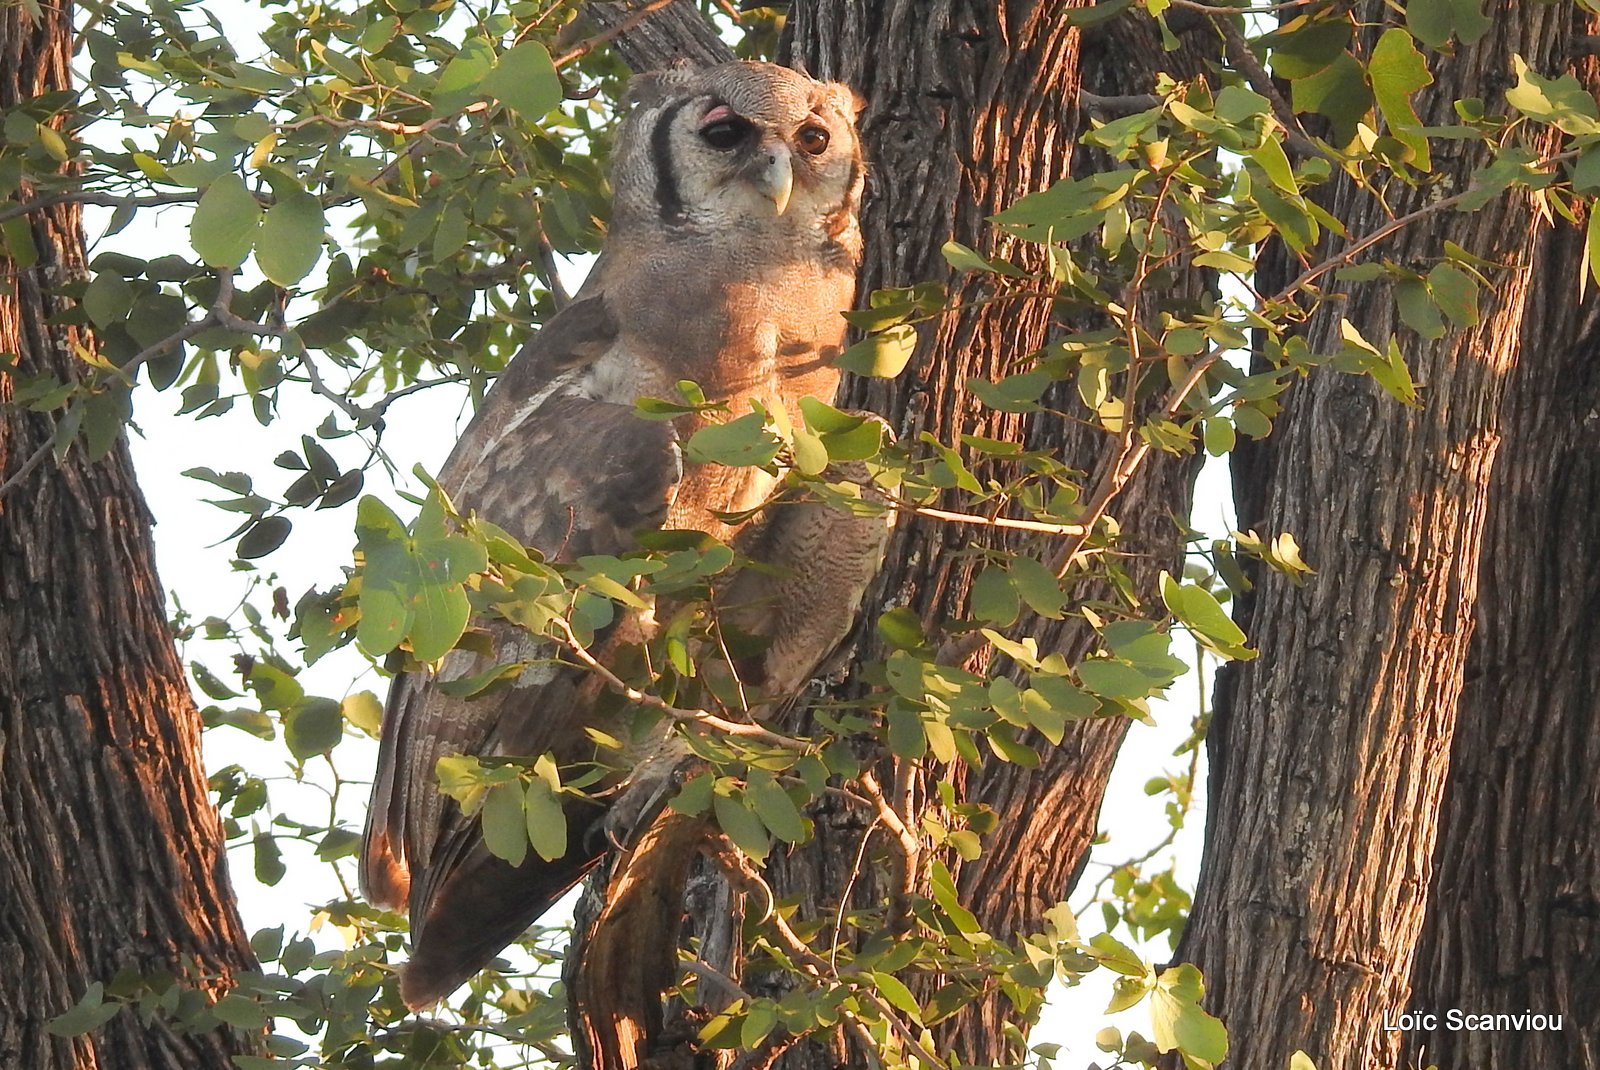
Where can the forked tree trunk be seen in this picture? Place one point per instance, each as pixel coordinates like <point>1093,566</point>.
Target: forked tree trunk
<point>1328,760</point>
<point>111,854</point>
<point>1514,914</point>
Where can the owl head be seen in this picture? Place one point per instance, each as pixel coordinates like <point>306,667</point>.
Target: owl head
<point>736,146</point>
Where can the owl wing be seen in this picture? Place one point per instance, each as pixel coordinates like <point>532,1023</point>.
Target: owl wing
<point>570,476</point>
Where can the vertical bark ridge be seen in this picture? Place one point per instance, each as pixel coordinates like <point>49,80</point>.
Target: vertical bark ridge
<point>1328,765</point>
<point>971,106</point>
<point>1514,922</point>
<point>111,854</point>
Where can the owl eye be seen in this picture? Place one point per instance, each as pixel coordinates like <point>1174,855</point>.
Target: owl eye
<point>725,134</point>
<point>813,140</point>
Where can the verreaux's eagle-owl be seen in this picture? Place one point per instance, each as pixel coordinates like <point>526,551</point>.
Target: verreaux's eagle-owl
<point>732,253</point>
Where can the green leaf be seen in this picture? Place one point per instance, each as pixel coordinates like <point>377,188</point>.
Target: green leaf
<point>16,240</point>
<point>439,617</point>
<point>546,819</point>
<point>1219,436</point>
<point>1065,696</point>
<point>1288,214</point>
<point>1417,308</point>
<point>810,455</point>
<point>265,536</point>
<point>943,887</point>
<point>225,223</point>
<point>1339,92</point>
<point>1592,243</point>
<point>898,995</point>
<point>290,242</point>
<point>1562,102</point>
<point>364,710</point>
<point>1388,367</point>
<point>269,865</point>
<point>742,826</point>
<point>1203,615</point>
<point>313,727</point>
<point>1113,679</point>
<point>1436,21</point>
<point>1586,171</point>
<point>1301,1061</point>
<point>1302,48</point>
<point>1038,586</point>
<point>337,844</point>
<point>907,738</point>
<point>1014,393</point>
<point>773,805</point>
<point>1274,163</point>
<point>1397,70</point>
<point>526,79</point>
<point>739,443</point>
<point>1237,105</point>
<point>88,1014</point>
<point>694,798</point>
<point>505,828</point>
<point>240,1011</point>
<point>107,299</point>
<point>463,76</point>
<point>1096,13</point>
<point>1118,957</point>
<point>883,355</point>
<point>758,1022</point>
<point>993,598</point>
<point>901,628</point>
<point>962,258</point>
<point>1456,291</point>
<point>1179,1021</point>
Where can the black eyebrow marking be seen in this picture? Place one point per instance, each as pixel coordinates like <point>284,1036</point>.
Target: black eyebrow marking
<point>668,200</point>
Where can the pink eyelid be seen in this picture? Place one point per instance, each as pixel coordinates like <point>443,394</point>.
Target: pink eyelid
<point>721,111</point>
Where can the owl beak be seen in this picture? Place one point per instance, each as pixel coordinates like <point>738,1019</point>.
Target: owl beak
<point>776,179</point>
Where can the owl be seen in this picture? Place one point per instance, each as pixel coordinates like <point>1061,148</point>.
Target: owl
<point>732,253</point>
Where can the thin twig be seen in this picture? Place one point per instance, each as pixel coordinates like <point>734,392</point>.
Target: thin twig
<point>910,846</point>
<point>99,200</point>
<point>991,521</point>
<point>34,460</point>
<point>739,869</point>
<point>1118,106</point>
<point>584,47</point>
<point>696,718</point>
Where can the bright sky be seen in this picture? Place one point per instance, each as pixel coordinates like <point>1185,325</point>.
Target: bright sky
<point>194,559</point>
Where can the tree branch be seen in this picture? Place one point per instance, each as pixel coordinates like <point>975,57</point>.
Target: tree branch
<point>99,199</point>
<point>702,719</point>
<point>651,34</point>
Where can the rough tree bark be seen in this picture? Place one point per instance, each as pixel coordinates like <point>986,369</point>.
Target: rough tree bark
<point>111,854</point>
<point>970,106</point>
<point>1328,759</point>
<point>1514,911</point>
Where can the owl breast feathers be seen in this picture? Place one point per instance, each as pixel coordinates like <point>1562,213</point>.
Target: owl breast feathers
<point>732,252</point>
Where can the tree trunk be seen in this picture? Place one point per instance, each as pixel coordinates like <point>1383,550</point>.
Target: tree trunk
<point>1328,759</point>
<point>1514,920</point>
<point>111,854</point>
<point>970,107</point>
